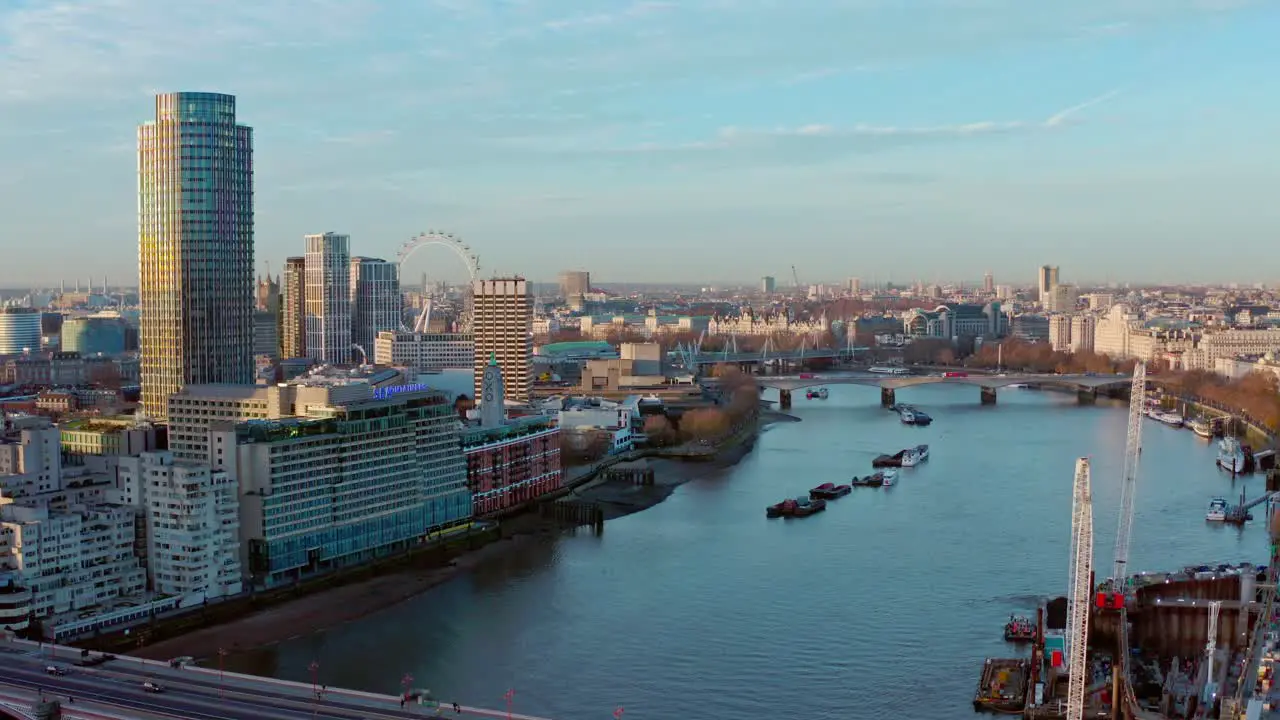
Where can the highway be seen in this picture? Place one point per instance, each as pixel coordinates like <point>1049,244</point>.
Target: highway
<point>118,685</point>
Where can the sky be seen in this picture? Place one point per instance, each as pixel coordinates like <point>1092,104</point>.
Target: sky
<point>684,141</point>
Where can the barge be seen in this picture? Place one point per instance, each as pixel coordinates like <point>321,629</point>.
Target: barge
<point>829,491</point>
<point>1003,686</point>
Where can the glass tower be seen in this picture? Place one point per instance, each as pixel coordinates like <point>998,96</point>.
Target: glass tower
<point>195,247</point>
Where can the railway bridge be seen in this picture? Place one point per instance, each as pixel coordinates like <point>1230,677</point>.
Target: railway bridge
<point>1086,386</point>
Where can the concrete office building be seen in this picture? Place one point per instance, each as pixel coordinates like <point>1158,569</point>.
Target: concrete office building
<point>502,327</point>
<point>19,330</point>
<point>424,352</point>
<point>328,298</point>
<point>768,285</point>
<point>376,301</point>
<point>575,283</point>
<point>293,309</point>
<point>1046,280</point>
<point>195,246</point>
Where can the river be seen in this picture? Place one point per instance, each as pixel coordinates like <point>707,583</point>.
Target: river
<point>883,606</point>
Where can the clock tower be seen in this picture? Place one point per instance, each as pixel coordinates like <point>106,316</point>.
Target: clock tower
<point>492,395</point>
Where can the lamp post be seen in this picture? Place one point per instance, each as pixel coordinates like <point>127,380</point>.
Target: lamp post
<point>314,667</point>
<point>509,696</point>
<point>222,653</point>
<point>406,682</point>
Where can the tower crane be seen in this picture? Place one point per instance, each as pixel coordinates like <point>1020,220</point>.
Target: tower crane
<point>1237,708</point>
<point>1211,649</point>
<point>1078,603</point>
<point>1128,488</point>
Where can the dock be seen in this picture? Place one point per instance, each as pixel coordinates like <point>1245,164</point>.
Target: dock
<point>1239,514</point>
<point>1003,685</point>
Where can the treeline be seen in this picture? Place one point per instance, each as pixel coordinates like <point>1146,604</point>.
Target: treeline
<point>1256,395</point>
<point>1014,355</point>
<point>741,402</point>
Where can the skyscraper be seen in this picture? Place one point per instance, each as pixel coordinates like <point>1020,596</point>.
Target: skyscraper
<point>988,283</point>
<point>195,247</point>
<point>328,298</point>
<point>293,310</point>
<point>1047,281</point>
<point>375,301</point>
<point>502,323</point>
<point>575,283</point>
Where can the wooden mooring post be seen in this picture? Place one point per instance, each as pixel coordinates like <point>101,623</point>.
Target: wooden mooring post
<point>572,513</point>
<point>634,476</point>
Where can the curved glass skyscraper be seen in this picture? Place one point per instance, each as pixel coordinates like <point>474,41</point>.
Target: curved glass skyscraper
<point>195,247</point>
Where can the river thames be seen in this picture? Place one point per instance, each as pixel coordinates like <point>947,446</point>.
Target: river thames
<point>883,606</point>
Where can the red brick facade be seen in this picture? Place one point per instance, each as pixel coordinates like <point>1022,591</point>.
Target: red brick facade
<point>512,464</point>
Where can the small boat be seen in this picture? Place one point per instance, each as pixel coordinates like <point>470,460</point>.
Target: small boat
<point>914,456</point>
<point>783,509</point>
<point>907,416</point>
<point>1171,419</point>
<point>1217,510</point>
<point>922,418</point>
<point>1232,456</point>
<point>830,491</point>
<point>889,476</point>
<point>1202,428</point>
<point>884,461</point>
<point>806,507</point>
<point>818,394</point>
<point>1019,629</point>
<point>876,480</point>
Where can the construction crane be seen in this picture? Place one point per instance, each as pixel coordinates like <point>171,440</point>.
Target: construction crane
<point>1078,603</point>
<point>1210,650</point>
<point>1237,708</point>
<point>1129,484</point>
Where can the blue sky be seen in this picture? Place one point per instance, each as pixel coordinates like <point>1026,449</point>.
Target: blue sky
<point>709,140</point>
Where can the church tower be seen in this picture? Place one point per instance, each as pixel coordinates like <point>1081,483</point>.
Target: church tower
<point>492,391</point>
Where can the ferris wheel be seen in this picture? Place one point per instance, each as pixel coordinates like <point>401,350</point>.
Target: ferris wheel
<point>459,248</point>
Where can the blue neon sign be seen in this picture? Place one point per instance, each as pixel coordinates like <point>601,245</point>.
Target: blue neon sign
<point>383,393</point>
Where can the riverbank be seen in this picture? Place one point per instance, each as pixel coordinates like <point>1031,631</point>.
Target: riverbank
<point>340,605</point>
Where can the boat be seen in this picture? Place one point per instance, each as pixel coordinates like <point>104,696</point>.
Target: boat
<point>830,491</point>
<point>1171,419</point>
<point>876,480</point>
<point>907,416</point>
<point>922,418</point>
<point>1232,456</point>
<point>817,394</point>
<point>806,507</point>
<point>1217,510</point>
<point>1202,428</point>
<point>914,456</point>
<point>1019,629</point>
<point>884,461</point>
<point>1019,386</point>
<point>889,476</point>
<point>782,509</point>
<point>882,370</point>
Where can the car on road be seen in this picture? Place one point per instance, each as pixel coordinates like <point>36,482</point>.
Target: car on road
<point>152,687</point>
<point>55,670</point>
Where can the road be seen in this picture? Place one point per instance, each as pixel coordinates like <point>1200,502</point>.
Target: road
<point>118,685</point>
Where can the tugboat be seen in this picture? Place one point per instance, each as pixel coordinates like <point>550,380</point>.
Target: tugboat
<point>1019,629</point>
<point>922,418</point>
<point>785,508</point>
<point>819,394</point>
<point>829,491</point>
<point>914,456</point>
<point>806,507</point>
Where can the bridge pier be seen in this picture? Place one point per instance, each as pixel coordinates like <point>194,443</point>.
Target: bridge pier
<point>988,395</point>
<point>887,397</point>
<point>784,399</point>
<point>1086,395</point>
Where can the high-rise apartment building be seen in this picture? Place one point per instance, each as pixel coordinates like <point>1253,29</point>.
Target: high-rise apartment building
<point>1046,280</point>
<point>293,310</point>
<point>328,298</point>
<point>19,330</point>
<point>768,285</point>
<point>502,328</point>
<point>376,301</point>
<point>195,246</point>
<point>575,283</point>
<point>988,284</point>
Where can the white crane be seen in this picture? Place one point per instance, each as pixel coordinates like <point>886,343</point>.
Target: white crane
<point>1129,483</point>
<point>1078,603</point>
<point>1211,649</point>
<point>1237,707</point>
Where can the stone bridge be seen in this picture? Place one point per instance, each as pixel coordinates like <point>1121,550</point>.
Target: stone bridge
<point>1086,385</point>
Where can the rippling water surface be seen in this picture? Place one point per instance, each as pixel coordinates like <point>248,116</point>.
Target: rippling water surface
<point>883,606</point>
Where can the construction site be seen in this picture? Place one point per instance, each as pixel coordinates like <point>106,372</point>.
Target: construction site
<point>1194,643</point>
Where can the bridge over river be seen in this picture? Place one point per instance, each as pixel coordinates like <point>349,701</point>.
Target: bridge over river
<point>1086,386</point>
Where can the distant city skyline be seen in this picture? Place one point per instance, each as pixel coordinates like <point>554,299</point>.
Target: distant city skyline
<point>1122,139</point>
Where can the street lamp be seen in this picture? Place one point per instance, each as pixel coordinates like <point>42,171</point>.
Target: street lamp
<point>509,696</point>
<point>222,653</point>
<point>313,667</point>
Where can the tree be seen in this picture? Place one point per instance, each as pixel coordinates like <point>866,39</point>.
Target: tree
<point>925,350</point>
<point>704,424</point>
<point>462,404</point>
<point>586,447</point>
<point>660,431</point>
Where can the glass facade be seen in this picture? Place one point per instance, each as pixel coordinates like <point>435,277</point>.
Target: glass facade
<point>195,247</point>
<point>19,330</point>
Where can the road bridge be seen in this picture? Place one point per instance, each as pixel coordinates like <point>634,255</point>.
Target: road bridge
<point>197,693</point>
<point>1086,386</point>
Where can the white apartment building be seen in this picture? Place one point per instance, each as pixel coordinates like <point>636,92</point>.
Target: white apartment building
<point>1083,326</point>
<point>1237,368</point>
<point>30,457</point>
<point>424,352</point>
<point>1060,332</point>
<point>72,557</point>
<point>327,278</point>
<point>1061,298</point>
<point>192,525</point>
